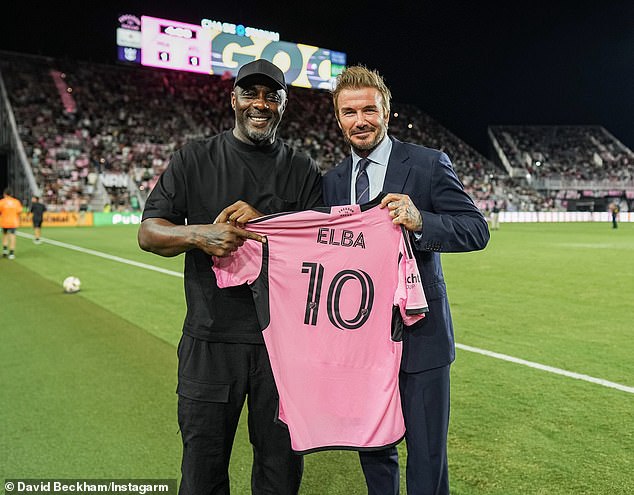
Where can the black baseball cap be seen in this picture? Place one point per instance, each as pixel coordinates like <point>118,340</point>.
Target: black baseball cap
<point>263,68</point>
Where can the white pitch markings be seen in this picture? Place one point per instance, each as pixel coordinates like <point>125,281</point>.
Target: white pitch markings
<point>496,355</point>
<point>105,255</point>
<point>550,369</point>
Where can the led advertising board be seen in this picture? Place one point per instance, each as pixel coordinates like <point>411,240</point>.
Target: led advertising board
<point>303,65</point>
<point>129,39</point>
<point>221,48</point>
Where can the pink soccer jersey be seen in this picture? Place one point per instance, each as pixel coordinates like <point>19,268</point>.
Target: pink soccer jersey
<point>332,287</point>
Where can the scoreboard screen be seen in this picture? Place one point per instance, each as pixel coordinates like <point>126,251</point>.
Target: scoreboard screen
<point>210,49</point>
<point>175,45</point>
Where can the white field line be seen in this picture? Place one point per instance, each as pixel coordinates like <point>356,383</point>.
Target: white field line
<point>104,255</point>
<point>484,352</point>
<point>549,369</point>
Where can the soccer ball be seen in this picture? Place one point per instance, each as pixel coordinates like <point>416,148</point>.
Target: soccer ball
<point>71,285</point>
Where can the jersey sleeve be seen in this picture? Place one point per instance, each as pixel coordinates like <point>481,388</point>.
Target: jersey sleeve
<point>241,267</point>
<point>409,296</point>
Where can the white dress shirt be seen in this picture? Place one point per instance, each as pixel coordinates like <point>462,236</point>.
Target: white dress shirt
<point>376,170</point>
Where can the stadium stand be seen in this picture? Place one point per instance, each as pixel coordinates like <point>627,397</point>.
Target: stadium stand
<point>97,136</point>
<point>572,167</point>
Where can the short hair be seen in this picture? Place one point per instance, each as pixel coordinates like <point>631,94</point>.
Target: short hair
<point>8,191</point>
<point>358,77</point>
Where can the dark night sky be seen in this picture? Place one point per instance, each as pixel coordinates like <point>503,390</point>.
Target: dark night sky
<point>467,64</point>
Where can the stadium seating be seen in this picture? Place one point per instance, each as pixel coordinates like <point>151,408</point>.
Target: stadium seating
<point>567,163</point>
<point>98,135</point>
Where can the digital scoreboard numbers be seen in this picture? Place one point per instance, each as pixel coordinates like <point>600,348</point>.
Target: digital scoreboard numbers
<point>175,45</point>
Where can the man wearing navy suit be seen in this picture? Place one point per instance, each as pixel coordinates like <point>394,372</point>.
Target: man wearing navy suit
<point>427,198</point>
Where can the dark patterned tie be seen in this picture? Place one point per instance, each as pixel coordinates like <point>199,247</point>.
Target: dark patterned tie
<point>362,185</point>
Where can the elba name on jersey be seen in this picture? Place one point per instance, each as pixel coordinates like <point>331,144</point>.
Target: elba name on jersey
<point>345,238</point>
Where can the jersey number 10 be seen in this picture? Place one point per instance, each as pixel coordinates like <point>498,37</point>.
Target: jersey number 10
<point>316,271</point>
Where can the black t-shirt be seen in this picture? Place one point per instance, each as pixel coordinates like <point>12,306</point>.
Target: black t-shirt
<point>38,210</point>
<point>202,179</point>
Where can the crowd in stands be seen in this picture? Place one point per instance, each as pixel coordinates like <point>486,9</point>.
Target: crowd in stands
<point>100,135</point>
<point>590,152</point>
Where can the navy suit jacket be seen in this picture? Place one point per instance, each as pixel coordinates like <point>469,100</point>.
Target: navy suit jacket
<point>451,223</point>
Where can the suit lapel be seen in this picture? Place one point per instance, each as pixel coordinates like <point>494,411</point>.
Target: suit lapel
<point>344,181</point>
<point>397,169</point>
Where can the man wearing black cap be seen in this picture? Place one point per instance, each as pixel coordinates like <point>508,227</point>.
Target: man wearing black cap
<point>210,189</point>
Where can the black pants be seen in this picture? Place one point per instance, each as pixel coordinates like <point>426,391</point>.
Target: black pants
<point>214,379</point>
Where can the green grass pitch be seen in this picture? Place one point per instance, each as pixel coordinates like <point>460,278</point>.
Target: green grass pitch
<point>87,381</point>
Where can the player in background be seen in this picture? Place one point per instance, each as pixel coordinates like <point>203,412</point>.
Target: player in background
<point>10,209</point>
<point>427,198</point>
<point>495,216</point>
<point>614,212</point>
<point>208,191</point>
<point>37,209</point>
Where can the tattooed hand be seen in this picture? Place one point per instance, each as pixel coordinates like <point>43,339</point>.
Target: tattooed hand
<point>403,211</point>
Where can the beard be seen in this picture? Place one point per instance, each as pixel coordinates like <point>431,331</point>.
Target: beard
<point>377,135</point>
<point>258,135</point>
